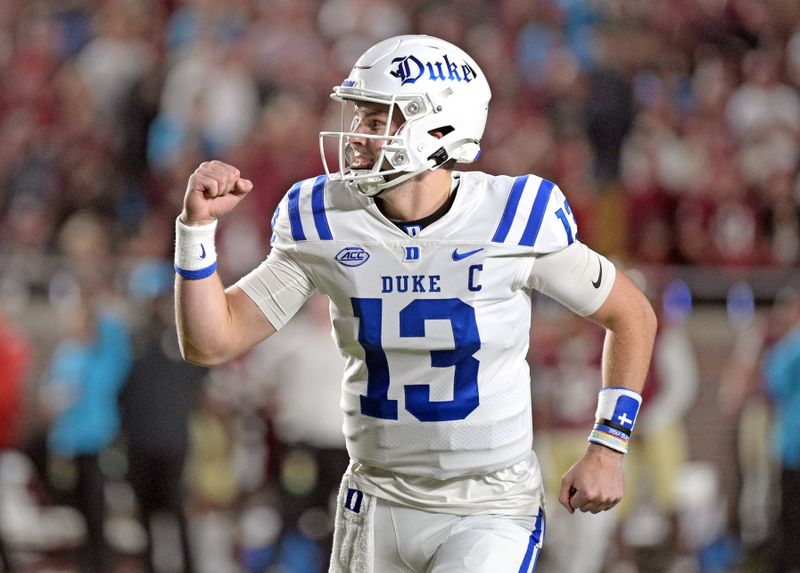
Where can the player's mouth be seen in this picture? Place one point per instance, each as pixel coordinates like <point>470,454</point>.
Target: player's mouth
<point>361,162</point>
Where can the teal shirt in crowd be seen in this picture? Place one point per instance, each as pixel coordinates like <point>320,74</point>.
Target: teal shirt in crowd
<point>91,375</point>
<point>781,371</point>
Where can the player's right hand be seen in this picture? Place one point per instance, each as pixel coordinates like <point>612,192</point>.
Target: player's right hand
<point>214,189</point>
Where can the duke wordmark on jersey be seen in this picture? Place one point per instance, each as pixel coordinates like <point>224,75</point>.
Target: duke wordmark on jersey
<point>426,283</point>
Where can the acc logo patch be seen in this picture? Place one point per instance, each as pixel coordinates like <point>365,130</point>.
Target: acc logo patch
<point>352,256</point>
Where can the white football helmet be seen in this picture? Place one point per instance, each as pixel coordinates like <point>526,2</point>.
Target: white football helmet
<point>436,86</point>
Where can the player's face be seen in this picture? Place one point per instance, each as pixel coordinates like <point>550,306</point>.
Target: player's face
<point>370,119</point>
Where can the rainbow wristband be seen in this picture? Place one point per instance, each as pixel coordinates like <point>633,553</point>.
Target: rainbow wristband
<point>615,417</point>
<point>195,253</point>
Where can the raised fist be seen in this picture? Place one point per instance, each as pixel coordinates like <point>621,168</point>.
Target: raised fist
<point>213,189</point>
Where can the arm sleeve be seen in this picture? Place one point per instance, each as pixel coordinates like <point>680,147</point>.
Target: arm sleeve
<point>279,286</point>
<point>575,276</point>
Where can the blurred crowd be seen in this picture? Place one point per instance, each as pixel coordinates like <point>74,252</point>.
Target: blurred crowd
<point>672,127</point>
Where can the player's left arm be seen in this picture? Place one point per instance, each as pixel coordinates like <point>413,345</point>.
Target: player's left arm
<point>595,482</point>
<point>588,283</point>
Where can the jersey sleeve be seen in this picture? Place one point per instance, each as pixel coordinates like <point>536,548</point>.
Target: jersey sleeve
<point>576,276</point>
<point>558,228</point>
<point>535,215</point>
<point>280,284</point>
<point>564,268</point>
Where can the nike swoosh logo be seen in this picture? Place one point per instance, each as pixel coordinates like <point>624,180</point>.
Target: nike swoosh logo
<point>460,256</point>
<point>203,254</point>
<point>596,284</point>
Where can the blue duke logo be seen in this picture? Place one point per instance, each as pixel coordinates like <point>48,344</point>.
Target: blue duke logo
<point>352,256</point>
<point>410,69</point>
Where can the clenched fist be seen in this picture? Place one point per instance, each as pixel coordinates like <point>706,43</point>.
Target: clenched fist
<point>595,482</point>
<point>213,189</point>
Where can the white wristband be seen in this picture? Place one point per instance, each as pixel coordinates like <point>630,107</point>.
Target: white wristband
<point>195,253</point>
<point>615,417</point>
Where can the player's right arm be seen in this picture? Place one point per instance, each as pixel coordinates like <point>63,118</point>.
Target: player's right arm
<point>215,324</point>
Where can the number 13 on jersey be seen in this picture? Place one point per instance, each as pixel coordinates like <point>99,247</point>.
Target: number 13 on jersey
<point>376,402</point>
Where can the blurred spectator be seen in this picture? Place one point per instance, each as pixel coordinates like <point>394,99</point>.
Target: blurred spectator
<point>119,55</point>
<point>782,378</point>
<point>762,101</point>
<point>675,127</point>
<point>565,354</point>
<point>155,404</point>
<point>213,482</point>
<point>694,110</point>
<point>793,59</point>
<point>86,374</point>
<point>344,19</point>
<point>282,125</point>
<point>86,240</point>
<point>661,449</point>
<point>609,116</point>
<point>290,54</point>
<point>781,211</point>
<point>299,374</point>
<point>744,397</point>
<point>15,357</point>
<point>574,164</point>
<point>15,362</point>
<point>564,357</point>
<point>210,97</point>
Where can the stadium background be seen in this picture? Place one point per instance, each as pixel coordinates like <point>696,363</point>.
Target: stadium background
<point>673,128</point>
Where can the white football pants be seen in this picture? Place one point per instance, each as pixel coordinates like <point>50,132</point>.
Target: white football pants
<point>406,540</point>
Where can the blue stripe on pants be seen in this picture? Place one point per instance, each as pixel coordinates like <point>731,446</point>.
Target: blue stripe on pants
<point>534,545</point>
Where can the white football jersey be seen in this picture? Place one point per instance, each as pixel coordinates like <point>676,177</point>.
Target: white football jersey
<point>435,326</point>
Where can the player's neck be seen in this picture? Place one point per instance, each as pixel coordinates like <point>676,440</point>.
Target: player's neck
<point>416,198</point>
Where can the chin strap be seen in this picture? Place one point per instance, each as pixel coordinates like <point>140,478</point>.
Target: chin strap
<point>448,151</point>
<point>376,186</point>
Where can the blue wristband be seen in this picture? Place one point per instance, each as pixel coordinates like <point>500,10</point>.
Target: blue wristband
<point>195,253</point>
<point>197,274</point>
<point>615,417</point>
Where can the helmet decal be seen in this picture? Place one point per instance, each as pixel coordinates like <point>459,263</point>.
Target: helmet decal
<point>410,69</point>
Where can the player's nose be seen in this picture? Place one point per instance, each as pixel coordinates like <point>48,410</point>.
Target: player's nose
<point>355,137</point>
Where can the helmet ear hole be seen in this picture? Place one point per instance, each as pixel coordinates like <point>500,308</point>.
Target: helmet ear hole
<point>440,132</point>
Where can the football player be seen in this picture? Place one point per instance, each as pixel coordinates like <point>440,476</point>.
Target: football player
<point>429,272</point>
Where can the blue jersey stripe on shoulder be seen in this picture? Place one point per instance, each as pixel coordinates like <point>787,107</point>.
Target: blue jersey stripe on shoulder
<point>318,207</point>
<point>294,213</point>
<point>511,209</point>
<point>537,213</point>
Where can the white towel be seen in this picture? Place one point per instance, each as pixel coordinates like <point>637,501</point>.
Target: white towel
<point>353,538</point>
